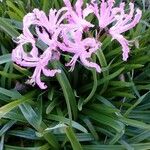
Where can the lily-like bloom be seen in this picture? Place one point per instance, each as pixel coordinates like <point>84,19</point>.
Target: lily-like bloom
<point>104,13</point>
<point>124,22</point>
<point>81,48</point>
<point>41,67</point>
<point>47,30</point>
<point>32,60</point>
<point>53,21</point>
<point>76,16</point>
<point>27,37</point>
<point>108,14</point>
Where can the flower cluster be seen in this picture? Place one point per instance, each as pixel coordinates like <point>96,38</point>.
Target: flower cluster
<point>65,30</point>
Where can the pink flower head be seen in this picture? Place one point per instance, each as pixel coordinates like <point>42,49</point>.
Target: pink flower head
<point>76,16</point>
<point>53,21</point>
<point>41,67</point>
<point>104,13</point>
<point>81,48</point>
<point>48,32</point>
<point>124,22</point>
<point>40,63</point>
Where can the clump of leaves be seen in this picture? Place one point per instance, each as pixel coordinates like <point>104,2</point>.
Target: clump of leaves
<point>81,109</point>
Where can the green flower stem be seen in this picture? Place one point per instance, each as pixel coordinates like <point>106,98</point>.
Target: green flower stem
<point>94,88</point>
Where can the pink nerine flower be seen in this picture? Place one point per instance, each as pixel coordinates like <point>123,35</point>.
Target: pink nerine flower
<point>76,16</point>
<point>40,63</point>
<point>107,14</point>
<point>81,48</point>
<point>104,13</point>
<point>53,21</point>
<point>41,67</point>
<point>123,23</point>
<point>47,31</point>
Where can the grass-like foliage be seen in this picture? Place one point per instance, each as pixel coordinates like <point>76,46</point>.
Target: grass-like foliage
<point>80,109</point>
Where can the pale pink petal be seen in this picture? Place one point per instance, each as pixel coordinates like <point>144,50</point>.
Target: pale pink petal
<point>72,62</point>
<point>134,22</point>
<point>104,12</point>
<point>50,73</point>
<point>82,49</point>
<point>43,36</point>
<point>77,36</point>
<point>42,19</point>
<point>38,79</point>
<point>28,20</point>
<point>88,10</point>
<point>78,7</point>
<point>68,4</point>
<point>90,64</point>
<point>125,45</point>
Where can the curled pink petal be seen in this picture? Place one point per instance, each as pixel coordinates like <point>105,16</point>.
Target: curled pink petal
<point>125,45</point>
<point>36,78</point>
<point>124,22</point>
<point>50,73</point>
<point>90,64</point>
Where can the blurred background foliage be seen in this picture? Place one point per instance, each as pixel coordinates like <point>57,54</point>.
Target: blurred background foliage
<point>80,109</point>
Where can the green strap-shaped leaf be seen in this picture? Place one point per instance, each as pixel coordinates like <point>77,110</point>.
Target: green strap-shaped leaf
<point>8,107</point>
<point>81,101</point>
<point>104,119</point>
<point>67,90</point>
<point>19,13</point>
<point>34,119</point>
<point>73,139</point>
<point>103,80</point>
<point>103,63</point>
<point>135,104</point>
<point>10,75</point>
<point>2,143</point>
<point>74,124</point>
<point>141,146</point>
<point>46,5</point>
<point>43,147</point>
<point>9,29</point>
<point>6,127</point>
<point>5,58</point>
<point>135,123</point>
